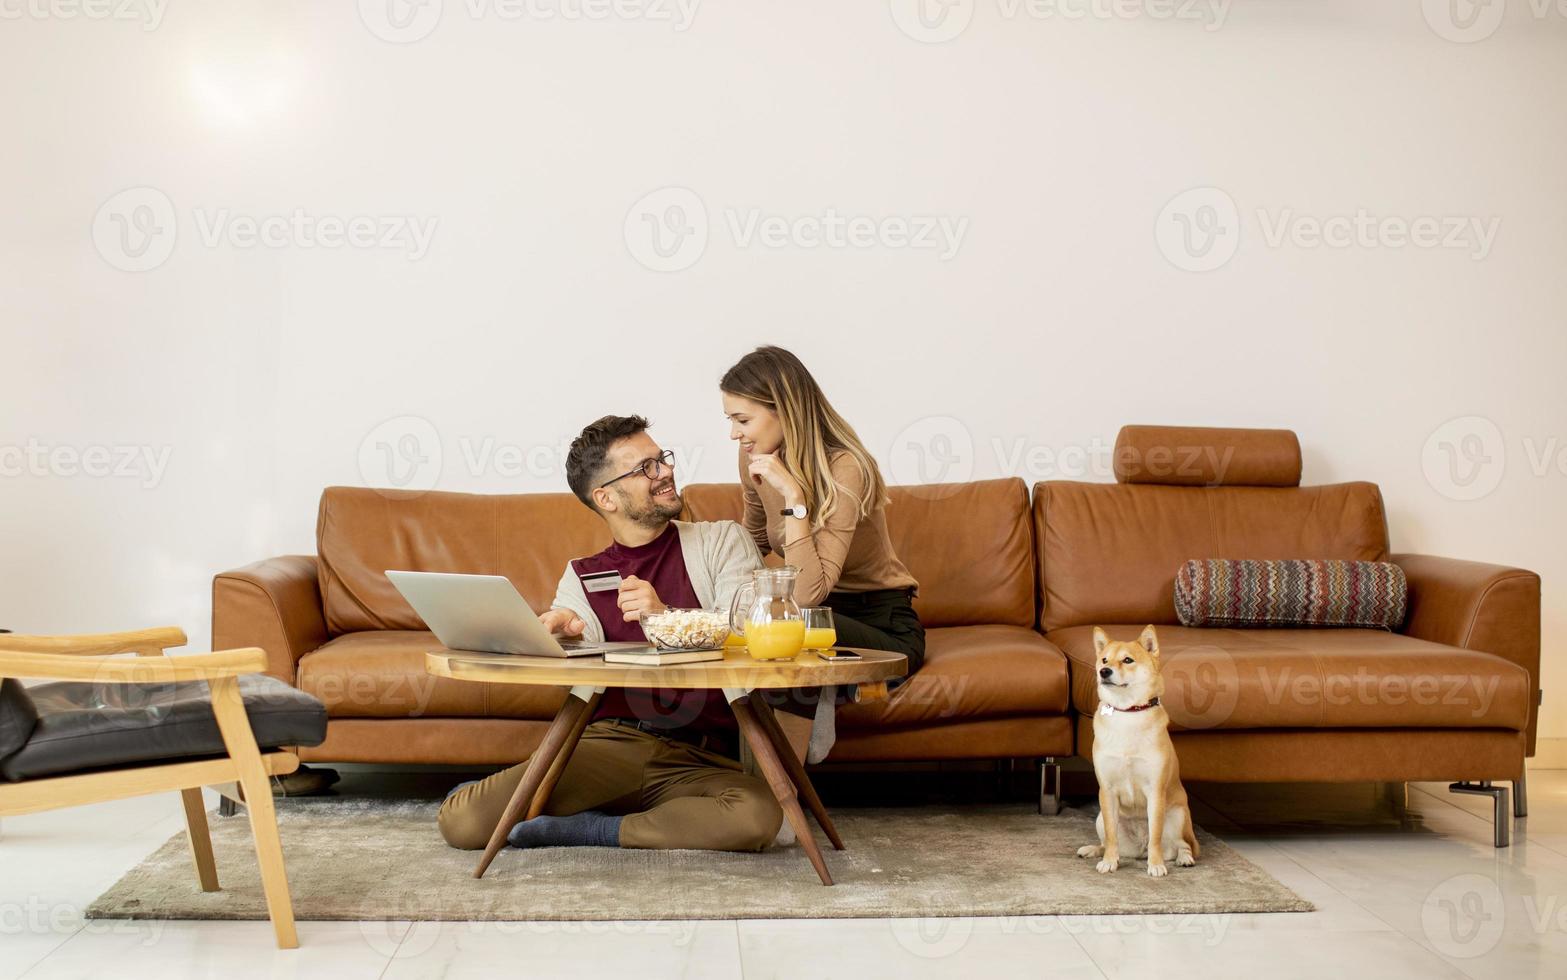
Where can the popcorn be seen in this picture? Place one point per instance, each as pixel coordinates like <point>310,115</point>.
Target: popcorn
<point>686,629</point>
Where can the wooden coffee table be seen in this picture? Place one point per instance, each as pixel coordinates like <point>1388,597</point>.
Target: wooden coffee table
<point>737,675</point>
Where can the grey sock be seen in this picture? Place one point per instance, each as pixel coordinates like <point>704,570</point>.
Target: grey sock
<point>589,828</point>
<point>824,727</point>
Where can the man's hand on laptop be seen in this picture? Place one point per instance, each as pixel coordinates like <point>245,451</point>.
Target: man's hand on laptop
<point>638,599</point>
<point>563,622</point>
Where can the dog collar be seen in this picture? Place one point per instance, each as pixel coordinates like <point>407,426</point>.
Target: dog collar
<point>1106,707</point>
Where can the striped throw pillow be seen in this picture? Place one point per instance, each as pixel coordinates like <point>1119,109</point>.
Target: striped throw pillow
<point>1295,592</point>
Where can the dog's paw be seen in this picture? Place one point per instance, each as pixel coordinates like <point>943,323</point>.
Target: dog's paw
<point>1107,865</point>
<point>1089,850</point>
<point>1185,859</point>
<point>1157,870</point>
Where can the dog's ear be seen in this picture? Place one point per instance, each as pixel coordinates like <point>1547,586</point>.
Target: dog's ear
<point>1150,639</point>
<point>1100,641</point>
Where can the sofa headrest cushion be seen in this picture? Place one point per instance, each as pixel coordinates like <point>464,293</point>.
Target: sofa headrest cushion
<point>1194,456</point>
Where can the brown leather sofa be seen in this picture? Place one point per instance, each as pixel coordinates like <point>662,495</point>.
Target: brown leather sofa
<point>991,688</point>
<point>1009,598</point>
<point>1452,696</point>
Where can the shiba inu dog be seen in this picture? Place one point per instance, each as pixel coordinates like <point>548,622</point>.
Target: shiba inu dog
<point>1142,805</point>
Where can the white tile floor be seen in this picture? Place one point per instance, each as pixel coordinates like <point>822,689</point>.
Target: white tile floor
<point>1412,891</point>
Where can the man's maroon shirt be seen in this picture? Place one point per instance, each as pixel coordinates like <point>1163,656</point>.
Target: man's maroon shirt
<point>662,563</point>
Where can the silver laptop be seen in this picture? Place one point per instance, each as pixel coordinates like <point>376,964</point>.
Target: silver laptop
<point>484,613</point>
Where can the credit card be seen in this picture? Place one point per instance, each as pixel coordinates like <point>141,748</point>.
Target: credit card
<point>601,581</point>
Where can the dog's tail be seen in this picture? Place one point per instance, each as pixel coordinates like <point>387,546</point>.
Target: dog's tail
<point>1189,834</point>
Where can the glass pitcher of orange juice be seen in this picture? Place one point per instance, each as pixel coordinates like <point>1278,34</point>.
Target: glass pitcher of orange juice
<point>765,614</point>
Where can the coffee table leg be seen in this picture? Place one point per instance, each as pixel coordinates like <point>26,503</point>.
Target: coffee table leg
<point>562,759</point>
<point>777,778</point>
<point>558,739</point>
<point>795,769</point>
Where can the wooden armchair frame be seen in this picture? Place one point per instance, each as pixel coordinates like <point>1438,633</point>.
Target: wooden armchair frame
<point>87,658</point>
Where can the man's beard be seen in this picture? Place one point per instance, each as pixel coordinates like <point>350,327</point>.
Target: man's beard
<point>654,513</point>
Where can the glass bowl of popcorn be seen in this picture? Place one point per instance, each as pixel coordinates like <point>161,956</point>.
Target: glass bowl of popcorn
<point>686,629</point>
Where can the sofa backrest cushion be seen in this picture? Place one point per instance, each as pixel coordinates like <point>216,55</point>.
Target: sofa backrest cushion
<point>361,533</point>
<point>1109,552</point>
<point>969,545</point>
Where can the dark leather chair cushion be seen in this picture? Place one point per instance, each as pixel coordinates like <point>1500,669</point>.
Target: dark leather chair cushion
<point>90,726</point>
<point>17,716</point>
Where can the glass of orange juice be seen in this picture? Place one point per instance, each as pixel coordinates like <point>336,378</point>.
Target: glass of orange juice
<point>820,633</point>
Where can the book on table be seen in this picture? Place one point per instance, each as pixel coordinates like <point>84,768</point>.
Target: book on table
<point>654,657</point>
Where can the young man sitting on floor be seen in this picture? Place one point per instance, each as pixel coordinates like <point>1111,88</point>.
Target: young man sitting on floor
<point>655,768</point>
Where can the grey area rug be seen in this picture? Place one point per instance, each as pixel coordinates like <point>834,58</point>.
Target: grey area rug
<point>367,859</point>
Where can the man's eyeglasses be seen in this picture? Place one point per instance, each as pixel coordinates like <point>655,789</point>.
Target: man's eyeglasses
<point>648,467</point>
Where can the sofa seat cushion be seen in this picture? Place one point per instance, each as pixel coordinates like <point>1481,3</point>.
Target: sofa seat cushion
<point>973,672</point>
<point>18,716</point>
<point>380,674</point>
<point>90,726</point>
<point>1315,678</point>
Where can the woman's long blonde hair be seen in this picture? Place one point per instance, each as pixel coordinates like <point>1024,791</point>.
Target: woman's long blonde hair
<point>813,431</point>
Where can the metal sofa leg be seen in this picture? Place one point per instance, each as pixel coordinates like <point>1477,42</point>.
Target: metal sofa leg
<point>229,797</point>
<point>1502,816</point>
<point>1521,794</point>
<point>1049,787</point>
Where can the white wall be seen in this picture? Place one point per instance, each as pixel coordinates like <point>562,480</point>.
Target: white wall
<point>1055,143</point>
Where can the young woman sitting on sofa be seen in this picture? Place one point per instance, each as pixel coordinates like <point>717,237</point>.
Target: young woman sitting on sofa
<point>816,497</point>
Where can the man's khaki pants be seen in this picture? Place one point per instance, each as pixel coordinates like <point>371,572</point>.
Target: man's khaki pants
<point>672,795</point>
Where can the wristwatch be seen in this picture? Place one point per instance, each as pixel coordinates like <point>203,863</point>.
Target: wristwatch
<point>798,510</point>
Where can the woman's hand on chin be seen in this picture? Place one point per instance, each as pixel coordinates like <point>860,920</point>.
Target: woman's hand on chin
<point>767,468</point>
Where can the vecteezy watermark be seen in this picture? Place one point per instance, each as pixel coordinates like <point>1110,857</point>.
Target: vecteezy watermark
<point>1464,21</point>
<point>1286,685</point>
<point>1464,458</point>
<point>1468,21</point>
<point>1464,916</point>
<point>1202,687</point>
<point>406,21</point>
<point>409,694</point>
<point>137,229</point>
<point>936,937</point>
<point>933,450</point>
<point>301,229</point>
<point>33,916</point>
<point>148,13</point>
<point>1467,915</point>
<point>1199,230</point>
<point>408,453</point>
<point>941,449</point>
<point>389,937</point>
<point>402,453</point>
<point>667,230</point>
<point>936,21</point>
<point>932,21</point>
<point>144,463</point>
<point>1469,233</point>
